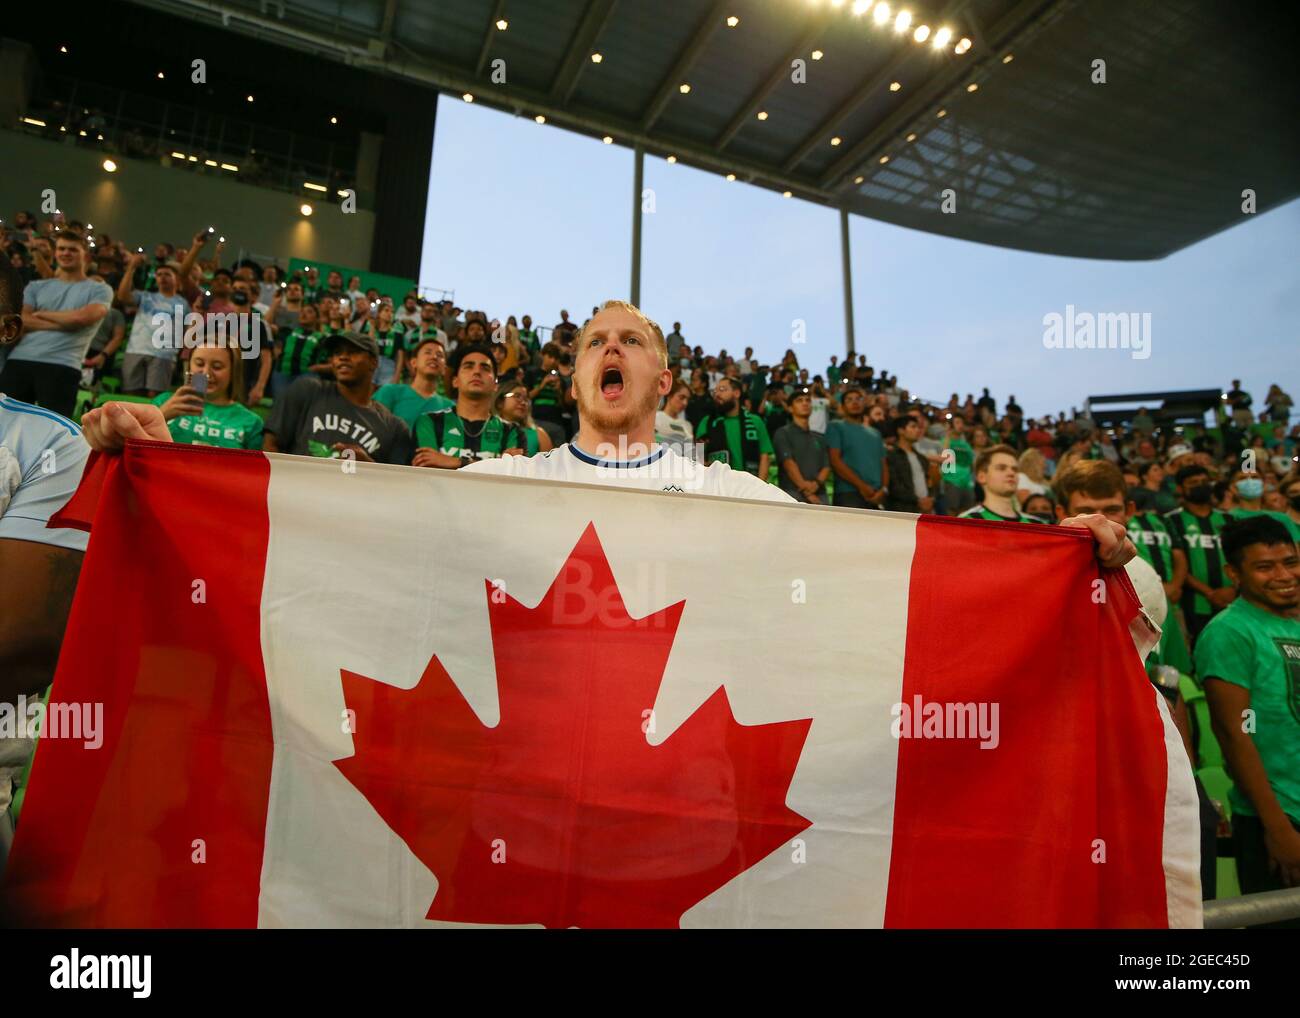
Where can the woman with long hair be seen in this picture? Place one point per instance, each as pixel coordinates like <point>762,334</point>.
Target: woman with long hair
<point>212,411</point>
<point>671,425</point>
<point>514,407</point>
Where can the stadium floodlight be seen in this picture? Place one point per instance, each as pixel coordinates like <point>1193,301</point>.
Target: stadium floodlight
<point>596,58</point>
<point>178,155</point>
<point>607,140</point>
<point>733,21</point>
<point>762,114</point>
<point>468,97</point>
<point>1008,58</point>
<point>903,21</point>
<point>941,114</point>
<point>941,37</point>
<point>305,209</point>
<point>109,166</point>
<point>860,7</point>
<point>315,187</point>
<point>684,88</point>
<point>972,87</point>
<point>858,180</point>
<point>894,86</point>
<point>912,136</point>
<point>540,119</point>
<point>33,121</point>
<point>334,120</point>
<point>160,75</point>
<point>881,14</point>
<point>836,140</point>
<point>817,54</point>
<point>502,24</point>
<point>922,33</point>
<point>731,176</point>
<point>785,194</point>
<point>672,159</point>
<point>63,49</point>
<point>249,98</point>
<point>883,160</point>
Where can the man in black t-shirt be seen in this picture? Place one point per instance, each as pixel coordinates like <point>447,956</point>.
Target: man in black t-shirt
<point>319,417</point>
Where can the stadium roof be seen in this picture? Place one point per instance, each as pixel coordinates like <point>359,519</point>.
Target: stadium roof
<point>1200,99</point>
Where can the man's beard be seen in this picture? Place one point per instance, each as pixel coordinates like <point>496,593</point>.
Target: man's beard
<point>616,420</point>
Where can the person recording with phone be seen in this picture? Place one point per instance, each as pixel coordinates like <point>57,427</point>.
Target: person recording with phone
<point>208,409</point>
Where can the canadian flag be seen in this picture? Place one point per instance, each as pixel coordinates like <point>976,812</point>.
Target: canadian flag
<point>353,695</point>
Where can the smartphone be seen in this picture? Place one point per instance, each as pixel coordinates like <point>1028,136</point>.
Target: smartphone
<point>199,382</point>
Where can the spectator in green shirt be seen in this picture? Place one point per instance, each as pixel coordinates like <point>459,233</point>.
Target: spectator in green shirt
<point>1248,492</point>
<point>733,435</point>
<point>421,396</point>
<point>958,481</point>
<point>1195,530</point>
<point>298,351</point>
<point>213,412</point>
<point>1249,659</point>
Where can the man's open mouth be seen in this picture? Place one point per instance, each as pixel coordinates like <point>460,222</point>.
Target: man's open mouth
<point>611,383</point>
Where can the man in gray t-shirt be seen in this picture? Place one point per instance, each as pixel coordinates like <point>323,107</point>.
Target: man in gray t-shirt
<point>801,453</point>
<point>319,417</point>
<point>60,317</point>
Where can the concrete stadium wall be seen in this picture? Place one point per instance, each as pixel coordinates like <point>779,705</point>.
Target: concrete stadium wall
<point>145,202</point>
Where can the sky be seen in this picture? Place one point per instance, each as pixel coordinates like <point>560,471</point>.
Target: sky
<point>528,219</point>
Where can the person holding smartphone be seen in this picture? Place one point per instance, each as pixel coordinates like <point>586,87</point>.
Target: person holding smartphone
<point>208,409</point>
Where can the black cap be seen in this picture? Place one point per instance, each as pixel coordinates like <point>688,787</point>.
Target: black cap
<point>363,342</point>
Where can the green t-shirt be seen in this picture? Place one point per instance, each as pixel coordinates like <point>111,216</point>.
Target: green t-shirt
<point>732,425</point>
<point>1153,542</point>
<point>1198,538</point>
<point>301,351</point>
<point>958,473</point>
<point>1260,652</point>
<point>981,512</point>
<point>408,404</point>
<point>1292,527</point>
<point>390,342</point>
<point>226,427</point>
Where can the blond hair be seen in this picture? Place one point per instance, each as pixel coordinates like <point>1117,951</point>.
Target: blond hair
<point>656,333</point>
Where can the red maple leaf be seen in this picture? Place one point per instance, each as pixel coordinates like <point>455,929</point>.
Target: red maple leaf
<point>564,814</point>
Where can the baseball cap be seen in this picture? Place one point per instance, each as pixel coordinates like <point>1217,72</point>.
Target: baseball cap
<point>1179,450</point>
<point>364,343</point>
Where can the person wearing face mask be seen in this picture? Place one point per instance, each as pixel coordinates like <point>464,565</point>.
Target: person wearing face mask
<point>1198,555</point>
<point>1249,492</point>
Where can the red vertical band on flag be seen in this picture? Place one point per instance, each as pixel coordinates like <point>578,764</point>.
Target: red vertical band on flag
<point>164,823</point>
<point>1062,822</point>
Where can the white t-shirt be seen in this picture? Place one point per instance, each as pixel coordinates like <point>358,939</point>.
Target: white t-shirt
<point>663,470</point>
<point>42,456</point>
<point>820,415</point>
<point>1026,483</point>
<point>673,429</point>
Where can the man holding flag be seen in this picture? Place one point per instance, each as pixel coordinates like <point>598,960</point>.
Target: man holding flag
<point>620,375</point>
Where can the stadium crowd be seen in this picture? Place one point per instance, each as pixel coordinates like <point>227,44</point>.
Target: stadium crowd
<point>333,369</point>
